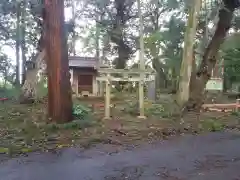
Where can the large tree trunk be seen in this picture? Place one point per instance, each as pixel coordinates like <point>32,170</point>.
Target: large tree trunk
<point>209,59</point>
<point>186,66</point>
<point>59,88</point>
<point>30,92</point>
<point>117,36</point>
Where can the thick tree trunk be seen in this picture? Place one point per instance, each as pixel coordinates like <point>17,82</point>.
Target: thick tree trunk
<point>117,36</point>
<point>30,92</point>
<point>186,66</point>
<point>209,59</point>
<point>59,88</point>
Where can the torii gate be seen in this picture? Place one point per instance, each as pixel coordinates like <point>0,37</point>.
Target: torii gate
<point>139,75</point>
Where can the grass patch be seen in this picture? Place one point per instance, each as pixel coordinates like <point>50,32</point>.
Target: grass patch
<point>236,113</point>
<point>25,128</point>
<point>211,125</point>
<point>74,125</point>
<point>9,92</point>
<point>152,109</point>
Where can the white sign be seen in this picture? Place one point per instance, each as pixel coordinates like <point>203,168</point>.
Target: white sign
<point>215,84</point>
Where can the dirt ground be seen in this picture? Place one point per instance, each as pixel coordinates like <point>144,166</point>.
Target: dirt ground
<point>25,128</point>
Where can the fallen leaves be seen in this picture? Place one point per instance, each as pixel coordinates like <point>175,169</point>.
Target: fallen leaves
<point>26,129</point>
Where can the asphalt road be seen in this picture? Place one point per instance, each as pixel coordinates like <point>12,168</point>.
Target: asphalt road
<point>205,157</point>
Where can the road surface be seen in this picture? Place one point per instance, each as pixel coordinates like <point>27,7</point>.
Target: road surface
<point>203,157</point>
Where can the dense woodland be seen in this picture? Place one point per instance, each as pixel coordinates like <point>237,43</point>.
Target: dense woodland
<point>109,29</point>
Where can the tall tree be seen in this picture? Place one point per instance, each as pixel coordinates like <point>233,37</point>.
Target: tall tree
<point>187,60</point>
<point>209,58</point>
<point>59,89</point>
<point>17,44</point>
<point>116,19</point>
<point>5,69</point>
<point>163,37</point>
<point>164,49</point>
<point>73,4</point>
<point>23,39</point>
<point>117,32</point>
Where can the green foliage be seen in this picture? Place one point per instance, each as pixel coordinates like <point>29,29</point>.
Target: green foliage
<point>155,110</point>
<point>211,125</point>
<point>4,150</point>
<point>231,55</point>
<point>236,113</point>
<point>76,124</point>
<point>231,42</point>
<point>151,110</point>
<point>232,65</point>
<point>173,39</point>
<point>82,116</point>
<point>10,92</point>
<point>165,46</point>
<point>25,128</point>
<point>80,111</point>
<point>32,14</point>
<point>5,68</point>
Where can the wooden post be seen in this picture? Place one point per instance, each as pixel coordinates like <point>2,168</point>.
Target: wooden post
<point>101,89</point>
<point>76,85</point>
<point>59,88</point>
<point>141,64</point>
<point>237,105</point>
<point>107,98</point>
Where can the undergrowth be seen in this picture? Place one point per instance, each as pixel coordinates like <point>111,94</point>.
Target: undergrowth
<point>211,125</point>
<point>25,128</point>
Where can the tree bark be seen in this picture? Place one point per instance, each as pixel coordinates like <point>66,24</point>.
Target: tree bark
<point>98,32</point>
<point>18,13</point>
<point>209,59</point>
<point>186,67</point>
<point>193,74</point>
<point>74,38</point>
<point>59,88</point>
<point>29,89</point>
<point>23,41</point>
<point>117,36</point>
